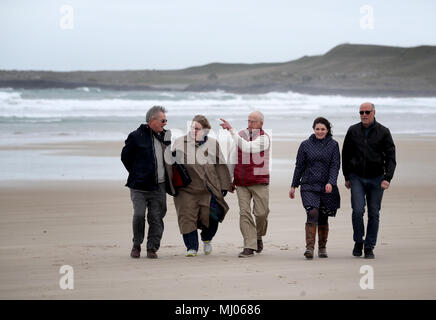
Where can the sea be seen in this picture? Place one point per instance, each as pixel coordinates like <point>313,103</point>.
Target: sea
<point>92,114</point>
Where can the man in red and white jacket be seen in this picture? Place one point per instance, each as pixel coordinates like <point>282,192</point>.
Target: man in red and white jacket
<point>249,167</point>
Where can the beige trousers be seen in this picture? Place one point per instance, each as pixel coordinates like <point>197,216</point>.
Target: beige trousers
<point>253,230</point>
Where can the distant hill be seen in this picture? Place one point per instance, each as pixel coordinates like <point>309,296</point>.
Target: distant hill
<point>347,69</point>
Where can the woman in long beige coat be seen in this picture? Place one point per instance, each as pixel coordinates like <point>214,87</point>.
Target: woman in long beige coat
<point>201,204</point>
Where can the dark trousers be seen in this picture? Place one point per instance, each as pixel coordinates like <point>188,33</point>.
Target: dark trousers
<point>155,202</point>
<point>316,216</point>
<point>191,239</point>
<point>369,191</point>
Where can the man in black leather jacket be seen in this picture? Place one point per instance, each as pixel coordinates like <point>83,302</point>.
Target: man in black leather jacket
<point>149,179</point>
<point>368,165</point>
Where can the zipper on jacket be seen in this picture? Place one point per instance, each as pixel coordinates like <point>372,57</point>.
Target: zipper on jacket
<point>364,156</point>
<point>243,166</point>
<point>155,159</point>
<point>365,152</point>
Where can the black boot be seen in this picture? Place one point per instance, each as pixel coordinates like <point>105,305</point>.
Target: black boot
<point>357,250</point>
<point>369,254</point>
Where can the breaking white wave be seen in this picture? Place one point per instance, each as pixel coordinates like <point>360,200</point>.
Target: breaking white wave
<point>93,111</point>
<point>71,103</point>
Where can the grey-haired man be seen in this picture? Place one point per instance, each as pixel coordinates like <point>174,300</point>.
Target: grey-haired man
<point>149,179</point>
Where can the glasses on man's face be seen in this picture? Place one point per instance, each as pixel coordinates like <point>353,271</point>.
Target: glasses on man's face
<point>252,121</point>
<point>164,120</point>
<point>365,112</point>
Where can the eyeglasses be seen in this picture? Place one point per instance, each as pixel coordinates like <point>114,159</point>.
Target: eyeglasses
<point>164,120</point>
<point>365,112</point>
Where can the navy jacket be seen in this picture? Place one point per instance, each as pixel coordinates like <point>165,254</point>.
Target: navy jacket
<point>318,163</point>
<point>138,157</point>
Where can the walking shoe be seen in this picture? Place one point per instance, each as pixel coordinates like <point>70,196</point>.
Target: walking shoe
<point>207,247</point>
<point>369,254</point>
<point>191,253</point>
<point>357,250</point>
<point>151,254</point>
<point>246,253</point>
<point>136,252</point>
<point>259,246</point>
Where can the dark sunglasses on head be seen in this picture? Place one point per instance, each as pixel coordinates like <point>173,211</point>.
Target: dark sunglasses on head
<point>366,112</point>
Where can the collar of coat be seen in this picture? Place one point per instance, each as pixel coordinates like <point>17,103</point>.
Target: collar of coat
<point>189,138</point>
<point>372,125</point>
<point>250,136</point>
<point>315,139</point>
<point>164,136</point>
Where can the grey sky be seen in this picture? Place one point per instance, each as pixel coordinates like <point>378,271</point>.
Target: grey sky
<point>164,34</point>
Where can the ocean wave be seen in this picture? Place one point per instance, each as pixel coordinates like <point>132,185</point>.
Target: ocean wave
<point>30,120</point>
<point>6,96</point>
<point>284,111</point>
<point>11,104</point>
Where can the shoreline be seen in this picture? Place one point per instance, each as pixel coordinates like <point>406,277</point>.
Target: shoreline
<point>100,160</point>
<point>111,143</point>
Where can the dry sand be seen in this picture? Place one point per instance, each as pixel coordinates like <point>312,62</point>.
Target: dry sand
<point>87,225</point>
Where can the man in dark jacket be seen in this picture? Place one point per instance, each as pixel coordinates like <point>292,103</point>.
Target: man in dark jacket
<point>149,179</point>
<point>368,165</point>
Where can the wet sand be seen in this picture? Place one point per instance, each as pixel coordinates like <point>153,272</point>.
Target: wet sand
<point>87,225</point>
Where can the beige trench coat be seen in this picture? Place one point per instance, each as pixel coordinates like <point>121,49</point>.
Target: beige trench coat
<point>207,168</point>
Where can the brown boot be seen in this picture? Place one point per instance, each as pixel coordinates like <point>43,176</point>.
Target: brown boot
<point>151,254</point>
<point>323,232</point>
<point>310,240</point>
<point>136,252</point>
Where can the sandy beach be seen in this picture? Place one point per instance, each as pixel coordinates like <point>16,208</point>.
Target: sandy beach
<point>87,225</point>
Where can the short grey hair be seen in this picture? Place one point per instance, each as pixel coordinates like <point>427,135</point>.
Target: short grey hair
<point>370,103</point>
<point>153,112</point>
<point>258,115</point>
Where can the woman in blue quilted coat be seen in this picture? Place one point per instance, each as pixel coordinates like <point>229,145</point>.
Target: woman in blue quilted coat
<point>316,172</point>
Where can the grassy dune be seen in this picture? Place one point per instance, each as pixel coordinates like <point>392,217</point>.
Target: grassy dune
<point>346,69</point>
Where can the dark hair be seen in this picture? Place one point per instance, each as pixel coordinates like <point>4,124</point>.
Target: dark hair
<point>325,122</point>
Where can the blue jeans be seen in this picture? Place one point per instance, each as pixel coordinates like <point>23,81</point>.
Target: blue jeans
<point>369,188</point>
